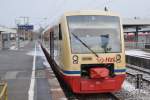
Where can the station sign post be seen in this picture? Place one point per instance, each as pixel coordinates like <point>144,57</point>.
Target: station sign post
<point>25,27</point>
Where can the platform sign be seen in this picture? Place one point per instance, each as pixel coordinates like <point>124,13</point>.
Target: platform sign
<point>139,81</point>
<point>25,27</point>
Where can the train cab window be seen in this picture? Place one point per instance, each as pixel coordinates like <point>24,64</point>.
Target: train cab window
<point>101,34</point>
<point>60,32</point>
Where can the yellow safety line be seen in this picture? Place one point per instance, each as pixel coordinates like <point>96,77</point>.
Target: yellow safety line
<point>4,91</point>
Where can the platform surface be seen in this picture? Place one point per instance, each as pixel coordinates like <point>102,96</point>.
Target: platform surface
<point>138,53</point>
<point>16,68</point>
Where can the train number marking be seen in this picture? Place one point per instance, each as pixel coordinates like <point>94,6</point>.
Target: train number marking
<point>107,59</point>
<point>116,59</point>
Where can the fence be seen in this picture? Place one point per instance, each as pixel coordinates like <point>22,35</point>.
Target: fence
<point>3,91</point>
<point>137,45</point>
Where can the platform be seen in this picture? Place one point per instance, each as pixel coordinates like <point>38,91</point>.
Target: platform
<point>139,58</point>
<point>138,53</point>
<point>16,67</point>
<point>55,90</point>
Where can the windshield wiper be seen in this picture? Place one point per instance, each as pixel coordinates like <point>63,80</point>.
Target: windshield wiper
<point>85,44</point>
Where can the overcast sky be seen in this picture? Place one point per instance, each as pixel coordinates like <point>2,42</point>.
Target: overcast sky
<point>42,12</point>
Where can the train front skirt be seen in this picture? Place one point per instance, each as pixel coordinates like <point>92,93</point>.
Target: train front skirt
<point>82,85</point>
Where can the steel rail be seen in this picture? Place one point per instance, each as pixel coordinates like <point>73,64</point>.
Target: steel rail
<point>133,68</point>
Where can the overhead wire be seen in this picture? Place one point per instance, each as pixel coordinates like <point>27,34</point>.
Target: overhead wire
<point>64,5</point>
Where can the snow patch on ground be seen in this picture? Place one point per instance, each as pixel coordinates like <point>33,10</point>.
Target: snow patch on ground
<point>40,53</point>
<point>43,57</point>
<point>138,53</point>
<point>22,44</point>
<point>13,48</point>
<point>46,64</point>
<point>139,94</point>
<point>31,53</point>
<point>128,86</point>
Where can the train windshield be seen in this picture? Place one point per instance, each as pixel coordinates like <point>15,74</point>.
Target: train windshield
<point>101,34</point>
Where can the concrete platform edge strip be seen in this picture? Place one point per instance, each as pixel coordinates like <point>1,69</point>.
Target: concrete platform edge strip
<point>32,83</point>
<point>55,90</point>
<point>44,56</point>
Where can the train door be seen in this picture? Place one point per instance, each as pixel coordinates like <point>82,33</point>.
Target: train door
<point>60,45</point>
<point>56,44</point>
<point>52,44</point>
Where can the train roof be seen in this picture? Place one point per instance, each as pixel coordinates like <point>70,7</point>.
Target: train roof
<point>7,30</point>
<point>132,30</point>
<point>83,12</point>
<point>91,12</point>
<point>128,22</point>
<point>130,25</point>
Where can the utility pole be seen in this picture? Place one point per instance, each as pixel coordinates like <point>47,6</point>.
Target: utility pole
<point>18,38</point>
<point>25,22</point>
<point>17,35</point>
<point>107,7</point>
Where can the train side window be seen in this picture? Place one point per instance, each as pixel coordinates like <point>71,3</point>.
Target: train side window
<point>60,32</point>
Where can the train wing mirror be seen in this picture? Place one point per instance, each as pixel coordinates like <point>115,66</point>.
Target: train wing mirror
<point>60,32</point>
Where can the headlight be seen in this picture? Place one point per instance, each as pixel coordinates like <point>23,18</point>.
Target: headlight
<point>118,58</point>
<point>75,57</point>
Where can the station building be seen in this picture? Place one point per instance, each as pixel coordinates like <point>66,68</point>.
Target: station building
<point>6,36</point>
<point>137,33</point>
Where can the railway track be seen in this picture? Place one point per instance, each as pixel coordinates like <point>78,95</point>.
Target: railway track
<point>144,70</point>
<point>133,70</point>
<point>141,90</point>
<point>105,96</point>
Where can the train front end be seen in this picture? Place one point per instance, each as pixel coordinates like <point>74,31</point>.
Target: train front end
<point>96,60</point>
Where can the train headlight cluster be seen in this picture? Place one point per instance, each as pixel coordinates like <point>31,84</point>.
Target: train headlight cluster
<point>118,58</point>
<point>75,59</point>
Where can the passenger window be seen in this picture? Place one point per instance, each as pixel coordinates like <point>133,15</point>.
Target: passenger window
<point>60,32</point>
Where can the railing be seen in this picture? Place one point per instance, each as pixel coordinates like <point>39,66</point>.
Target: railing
<point>3,91</point>
<point>137,45</point>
